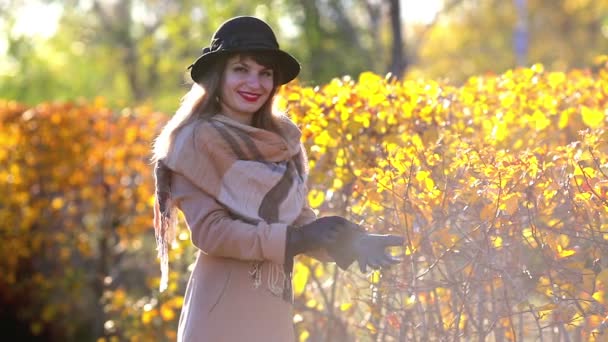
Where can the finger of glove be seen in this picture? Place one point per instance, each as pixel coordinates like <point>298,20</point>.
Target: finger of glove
<point>336,221</point>
<point>345,230</point>
<point>362,264</point>
<point>328,238</point>
<point>391,240</point>
<point>391,260</point>
<point>335,233</point>
<point>375,262</point>
<point>387,260</point>
<point>327,232</point>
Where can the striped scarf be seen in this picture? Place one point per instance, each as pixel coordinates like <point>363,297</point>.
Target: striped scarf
<point>256,174</point>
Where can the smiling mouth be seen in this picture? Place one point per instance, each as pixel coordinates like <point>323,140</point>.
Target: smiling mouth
<point>249,97</point>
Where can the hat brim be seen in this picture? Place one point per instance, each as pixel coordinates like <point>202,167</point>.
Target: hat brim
<point>290,67</point>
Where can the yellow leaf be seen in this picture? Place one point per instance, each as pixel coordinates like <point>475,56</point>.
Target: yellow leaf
<point>369,77</point>
<point>564,118</point>
<point>146,317</point>
<point>315,198</point>
<point>499,132</point>
<point>599,296</point>
<point>304,336</point>
<point>562,253</point>
<point>345,306</point>
<point>323,138</point>
<point>592,117</point>
<point>131,135</point>
<point>311,303</point>
<point>408,250</point>
<point>167,313</point>
<point>497,242</point>
<point>375,277</point>
<point>540,120</point>
<point>528,235</point>
<point>371,327</point>
<point>556,78</point>
<point>300,278</point>
<point>57,203</point>
<point>424,178</point>
<point>417,142</point>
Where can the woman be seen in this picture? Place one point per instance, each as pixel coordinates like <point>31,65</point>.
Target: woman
<point>238,173</point>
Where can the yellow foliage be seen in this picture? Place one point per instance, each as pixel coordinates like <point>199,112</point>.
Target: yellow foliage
<point>71,184</point>
<point>441,164</point>
<point>499,187</point>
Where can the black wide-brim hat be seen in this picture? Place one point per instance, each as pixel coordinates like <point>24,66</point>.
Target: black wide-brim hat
<point>244,34</point>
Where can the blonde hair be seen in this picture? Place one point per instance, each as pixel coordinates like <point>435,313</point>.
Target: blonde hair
<point>199,104</point>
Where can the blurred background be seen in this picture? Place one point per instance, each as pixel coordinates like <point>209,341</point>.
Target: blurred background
<point>137,51</point>
<point>86,84</point>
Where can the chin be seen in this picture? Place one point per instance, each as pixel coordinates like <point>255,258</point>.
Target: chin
<point>251,109</point>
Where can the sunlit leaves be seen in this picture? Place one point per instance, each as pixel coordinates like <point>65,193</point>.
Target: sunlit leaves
<point>74,204</point>
<point>504,174</point>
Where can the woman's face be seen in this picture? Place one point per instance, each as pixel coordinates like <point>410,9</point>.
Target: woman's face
<point>245,87</point>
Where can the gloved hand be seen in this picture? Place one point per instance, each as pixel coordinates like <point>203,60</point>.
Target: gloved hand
<point>370,250</point>
<point>320,233</point>
<point>354,243</point>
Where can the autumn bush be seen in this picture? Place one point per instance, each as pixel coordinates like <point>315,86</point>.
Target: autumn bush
<point>499,185</point>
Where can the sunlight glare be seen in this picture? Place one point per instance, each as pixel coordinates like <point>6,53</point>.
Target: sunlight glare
<point>417,11</point>
<point>37,19</point>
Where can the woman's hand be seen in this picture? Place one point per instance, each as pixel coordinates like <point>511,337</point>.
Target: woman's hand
<point>370,250</point>
<point>320,233</point>
<point>354,243</point>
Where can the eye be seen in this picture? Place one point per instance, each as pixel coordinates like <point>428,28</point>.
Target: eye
<point>267,73</point>
<point>240,68</point>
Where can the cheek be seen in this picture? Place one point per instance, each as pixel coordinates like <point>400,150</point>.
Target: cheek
<point>268,83</point>
<point>226,86</point>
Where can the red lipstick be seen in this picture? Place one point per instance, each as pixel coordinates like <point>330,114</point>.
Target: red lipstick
<point>249,97</point>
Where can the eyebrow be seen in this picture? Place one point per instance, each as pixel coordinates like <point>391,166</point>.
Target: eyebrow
<point>248,65</point>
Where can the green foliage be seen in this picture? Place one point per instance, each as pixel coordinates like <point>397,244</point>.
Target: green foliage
<point>477,38</point>
<point>137,51</point>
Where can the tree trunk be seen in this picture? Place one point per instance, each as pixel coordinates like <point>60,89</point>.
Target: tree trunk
<point>398,62</point>
<point>314,36</point>
<point>374,13</point>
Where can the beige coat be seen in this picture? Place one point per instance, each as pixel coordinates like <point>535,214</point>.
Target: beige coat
<point>239,188</point>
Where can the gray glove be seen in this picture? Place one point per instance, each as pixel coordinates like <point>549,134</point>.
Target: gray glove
<point>370,250</point>
<point>354,243</point>
<point>319,233</point>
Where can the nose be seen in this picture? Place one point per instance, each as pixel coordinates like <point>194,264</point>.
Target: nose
<point>254,81</point>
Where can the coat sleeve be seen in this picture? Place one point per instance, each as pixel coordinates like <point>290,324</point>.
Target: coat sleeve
<point>215,232</point>
<point>197,173</point>
<point>307,215</point>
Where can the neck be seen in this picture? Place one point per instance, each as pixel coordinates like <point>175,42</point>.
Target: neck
<point>243,119</point>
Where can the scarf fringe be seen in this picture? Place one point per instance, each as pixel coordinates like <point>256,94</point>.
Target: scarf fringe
<point>165,223</point>
<point>278,282</point>
<point>165,220</point>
